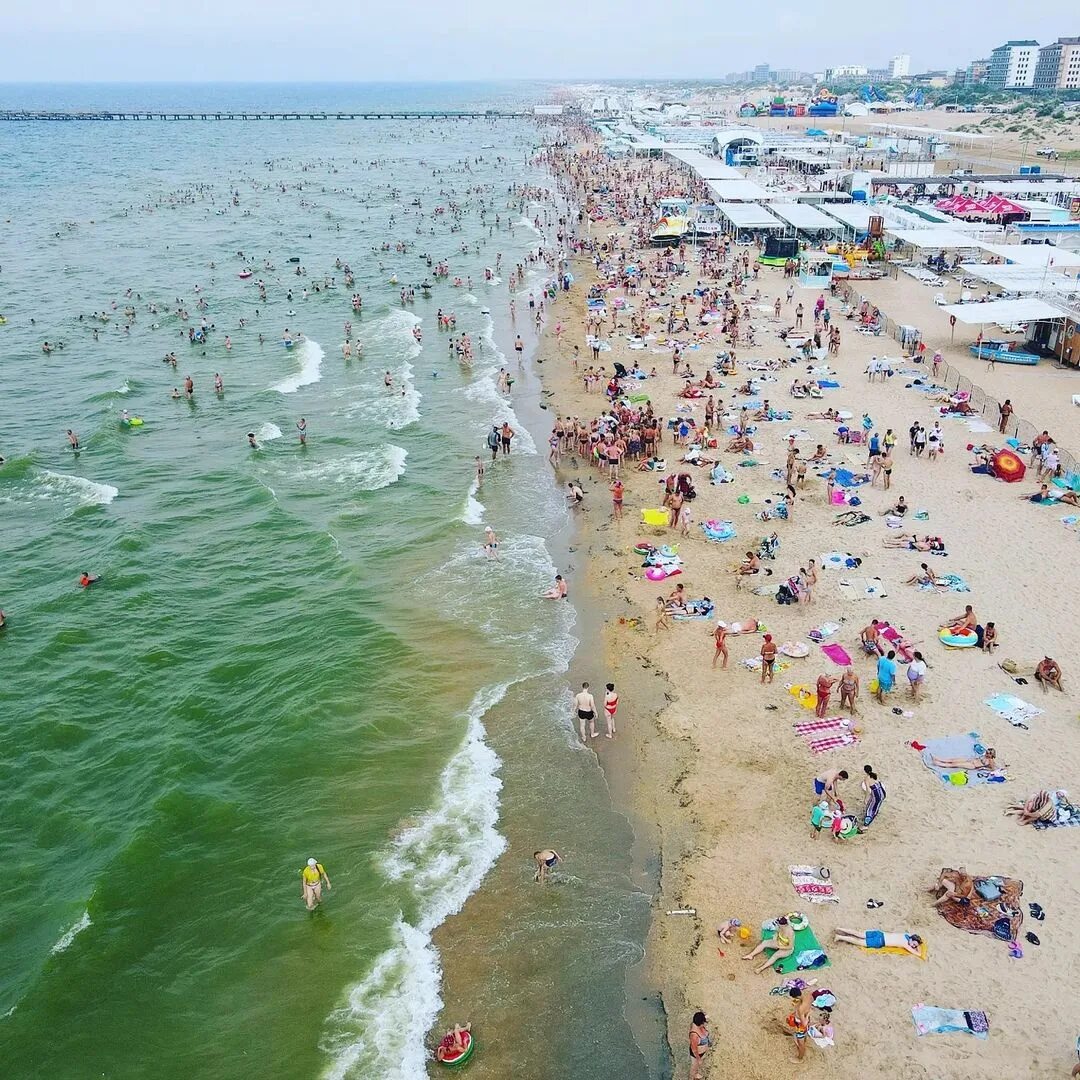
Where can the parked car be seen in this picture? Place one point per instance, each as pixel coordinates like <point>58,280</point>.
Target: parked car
<point>1047,151</point>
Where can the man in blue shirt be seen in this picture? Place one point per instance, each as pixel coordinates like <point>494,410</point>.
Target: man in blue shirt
<point>886,675</point>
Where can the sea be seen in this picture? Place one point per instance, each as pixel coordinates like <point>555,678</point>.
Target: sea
<point>293,650</point>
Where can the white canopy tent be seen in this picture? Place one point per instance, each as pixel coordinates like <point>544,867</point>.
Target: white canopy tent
<point>856,216</point>
<point>804,217</point>
<point>933,238</point>
<point>739,191</point>
<point>1022,279</point>
<point>707,168</point>
<point>1040,255</point>
<point>748,216</point>
<point>1029,187</point>
<point>1007,312</point>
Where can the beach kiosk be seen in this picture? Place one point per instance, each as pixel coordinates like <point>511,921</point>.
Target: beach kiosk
<point>816,269</point>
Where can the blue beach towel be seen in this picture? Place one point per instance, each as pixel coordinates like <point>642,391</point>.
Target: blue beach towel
<point>970,745</point>
<point>932,1020</point>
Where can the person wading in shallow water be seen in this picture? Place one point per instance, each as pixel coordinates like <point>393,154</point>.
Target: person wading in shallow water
<point>313,876</point>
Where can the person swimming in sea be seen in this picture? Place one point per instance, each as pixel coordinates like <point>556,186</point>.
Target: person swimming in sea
<point>545,861</point>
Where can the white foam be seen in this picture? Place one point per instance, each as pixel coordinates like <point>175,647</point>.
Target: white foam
<point>123,388</point>
<point>87,492</point>
<point>443,858</point>
<point>311,358</point>
<point>529,225</point>
<point>468,298</point>
<point>71,933</point>
<point>474,511</point>
<point>267,432</point>
<point>369,470</point>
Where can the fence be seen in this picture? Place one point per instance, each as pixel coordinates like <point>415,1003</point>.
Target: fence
<point>980,401</point>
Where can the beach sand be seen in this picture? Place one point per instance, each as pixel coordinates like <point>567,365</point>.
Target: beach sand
<point>729,784</point>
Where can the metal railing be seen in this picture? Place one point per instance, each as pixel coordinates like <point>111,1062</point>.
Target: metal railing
<point>979,400</point>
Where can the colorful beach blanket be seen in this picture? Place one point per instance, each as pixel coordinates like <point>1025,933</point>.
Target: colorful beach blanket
<point>954,582</point>
<point>810,885</point>
<point>995,912</point>
<point>1018,712</point>
<point>830,733</point>
<point>837,654</point>
<point>931,1020</point>
<point>807,949</point>
<point>971,746</point>
<point>825,630</point>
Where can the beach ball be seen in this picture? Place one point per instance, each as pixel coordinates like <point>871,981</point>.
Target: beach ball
<point>958,778</point>
<point>744,933</point>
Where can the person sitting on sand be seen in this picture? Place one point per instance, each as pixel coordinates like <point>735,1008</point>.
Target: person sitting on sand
<point>781,945</point>
<point>898,510</point>
<point>869,636</point>
<point>986,760</point>
<point>925,576</point>
<point>957,885</point>
<point>828,414</point>
<point>1048,673</point>
<point>878,939</point>
<point>820,454</point>
<point>741,444</point>
<point>967,621</point>
<point>750,565</point>
<point>453,1043</point>
<point>676,601</point>
<point>989,638</point>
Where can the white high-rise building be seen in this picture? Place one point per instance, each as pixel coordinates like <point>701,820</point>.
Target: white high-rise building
<point>900,66</point>
<point>1012,65</point>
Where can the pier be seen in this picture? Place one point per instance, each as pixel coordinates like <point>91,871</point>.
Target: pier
<point>27,115</point>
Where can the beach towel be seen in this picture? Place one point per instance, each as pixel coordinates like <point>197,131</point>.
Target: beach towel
<point>875,588</point>
<point>837,654</point>
<point>833,742</point>
<point>825,630</point>
<point>862,589</point>
<point>807,947</point>
<point>1065,813</point>
<point>970,745</point>
<point>896,640</point>
<point>953,582</point>
<point>753,663</point>
<point>838,560</point>
<point>999,918</point>
<point>810,885</point>
<point>895,950</point>
<point>806,697</point>
<point>1017,711</point>
<point>846,478</point>
<point>931,1020</point>
<point>809,729</point>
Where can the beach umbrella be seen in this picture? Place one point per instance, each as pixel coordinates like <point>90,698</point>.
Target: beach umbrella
<point>1008,467</point>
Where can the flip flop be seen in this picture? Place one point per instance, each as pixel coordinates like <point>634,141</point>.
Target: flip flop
<point>1029,936</point>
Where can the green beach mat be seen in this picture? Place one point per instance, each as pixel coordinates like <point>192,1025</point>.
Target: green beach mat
<point>804,939</point>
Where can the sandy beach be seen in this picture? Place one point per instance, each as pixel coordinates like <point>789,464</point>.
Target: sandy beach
<point>723,772</point>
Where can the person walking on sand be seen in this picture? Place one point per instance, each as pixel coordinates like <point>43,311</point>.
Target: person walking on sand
<point>585,705</point>
<point>611,706</point>
<point>886,675</point>
<point>663,616</point>
<point>700,1043</point>
<point>916,673</point>
<point>545,860</point>
<point>768,658</point>
<point>617,499</point>
<point>720,638</point>
<point>313,877</point>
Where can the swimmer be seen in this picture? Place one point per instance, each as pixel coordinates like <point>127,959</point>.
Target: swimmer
<point>388,380</point>
<point>453,1043</point>
<point>73,440</point>
<point>313,877</point>
<point>86,580</point>
<point>175,395</point>
<point>491,543</point>
<point>545,861</point>
<point>301,427</point>
<point>219,386</point>
<point>251,441</point>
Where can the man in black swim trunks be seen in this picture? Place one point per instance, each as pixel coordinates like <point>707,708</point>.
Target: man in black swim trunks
<point>586,711</point>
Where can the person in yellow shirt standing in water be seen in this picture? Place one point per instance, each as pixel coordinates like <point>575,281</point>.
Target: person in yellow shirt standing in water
<point>313,875</point>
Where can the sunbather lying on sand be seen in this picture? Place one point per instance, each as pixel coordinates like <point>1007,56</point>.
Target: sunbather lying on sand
<point>912,543</point>
<point>878,939</point>
<point>986,760</point>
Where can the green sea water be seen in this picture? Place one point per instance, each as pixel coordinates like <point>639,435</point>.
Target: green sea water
<point>293,651</point>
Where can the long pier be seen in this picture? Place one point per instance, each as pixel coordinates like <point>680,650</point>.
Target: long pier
<point>25,115</point>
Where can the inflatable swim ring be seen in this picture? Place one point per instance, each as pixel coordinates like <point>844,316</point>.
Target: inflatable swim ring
<point>658,573</point>
<point>132,421</point>
<point>244,275</point>
<point>669,552</point>
<point>797,920</point>
<point>643,547</point>
<point>964,639</point>
<point>460,1059</point>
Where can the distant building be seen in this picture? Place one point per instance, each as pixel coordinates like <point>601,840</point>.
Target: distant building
<point>1012,65</point>
<point>785,76</point>
<point>846,71</point>
<point>1058,65</point>
<point>935,79</point>
<point>899,66</point>
<point>762,74</point>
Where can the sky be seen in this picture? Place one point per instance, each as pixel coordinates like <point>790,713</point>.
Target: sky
<point>422,40</point>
